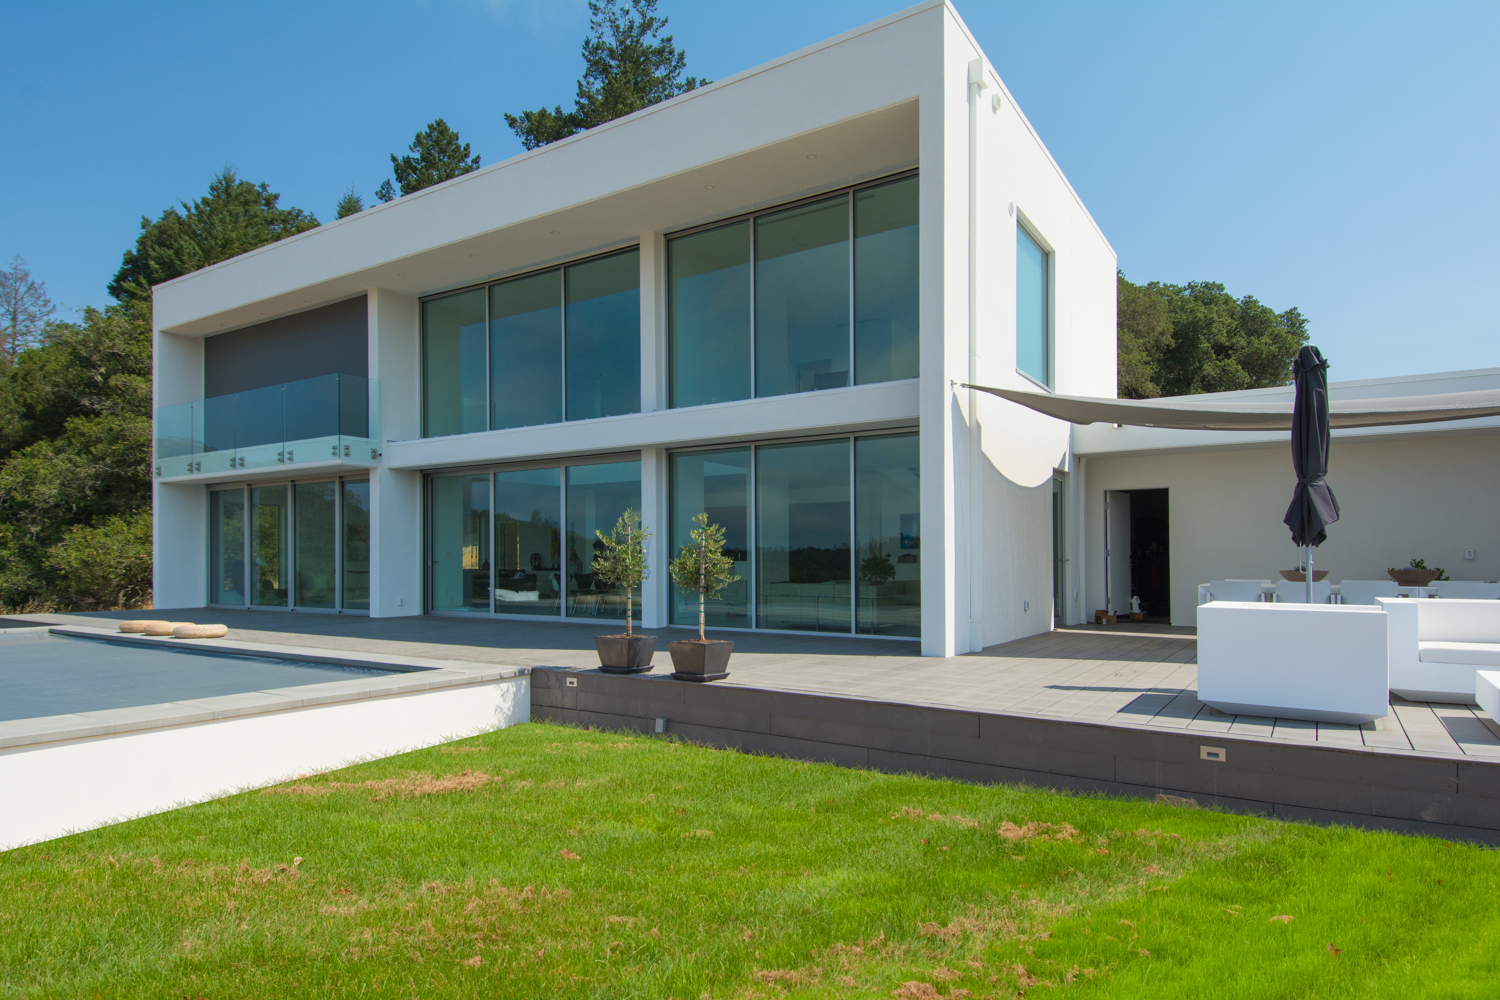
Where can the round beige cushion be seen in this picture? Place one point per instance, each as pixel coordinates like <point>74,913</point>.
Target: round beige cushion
<point>163,628</point>
<point>140,626</point>
<point>200,631</point>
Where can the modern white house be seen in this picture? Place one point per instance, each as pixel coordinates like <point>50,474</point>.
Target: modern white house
<point>759,300</point>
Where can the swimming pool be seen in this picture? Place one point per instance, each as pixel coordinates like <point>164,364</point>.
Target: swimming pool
<point>43,674</point>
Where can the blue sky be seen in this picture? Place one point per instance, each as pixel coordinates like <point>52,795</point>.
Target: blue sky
<point>1336,157</point>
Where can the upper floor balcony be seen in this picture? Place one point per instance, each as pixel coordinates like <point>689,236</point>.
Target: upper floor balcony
<point>332,421</point>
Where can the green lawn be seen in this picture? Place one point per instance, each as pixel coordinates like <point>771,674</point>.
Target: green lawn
<point>544,861</point>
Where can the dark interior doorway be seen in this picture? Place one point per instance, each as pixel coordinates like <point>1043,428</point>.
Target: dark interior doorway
<point>1150,554</point>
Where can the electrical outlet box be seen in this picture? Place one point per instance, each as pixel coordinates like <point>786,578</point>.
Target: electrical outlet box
<point>661,724</point>
<point>1470,554</point>
<point>1212,753</point>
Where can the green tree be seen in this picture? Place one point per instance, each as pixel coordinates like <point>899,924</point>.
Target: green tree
<point>349,203</point>
<point>623,561</point>
<point>25,310</point>
<point>628,65</point>
<point>235,216</point>
<point>439,156</point>
<point>701,567</point>
<point>1174,340</point>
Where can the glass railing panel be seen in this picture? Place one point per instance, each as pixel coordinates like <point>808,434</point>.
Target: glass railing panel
<point>218,424</point>
<point>174,432</point>
<point>312,408</point>
<point>354,407</point>
<point>260,418</point>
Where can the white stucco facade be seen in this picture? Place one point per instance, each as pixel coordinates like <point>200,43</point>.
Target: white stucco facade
<point>911,92</point>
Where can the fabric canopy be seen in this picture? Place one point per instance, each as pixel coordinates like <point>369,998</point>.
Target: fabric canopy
<point>1185,413</point>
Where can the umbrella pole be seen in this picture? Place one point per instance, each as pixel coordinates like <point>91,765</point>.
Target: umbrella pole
<point>1309,574</point>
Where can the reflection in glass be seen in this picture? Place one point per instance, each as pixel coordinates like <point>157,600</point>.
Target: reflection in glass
<point>268,546</point>
<point>226,547</point>
<point>604,336</point>
<point>461,543</point>
<point>709,316</point>
<point>885,282</point>
<point>717,482</point>
<point>528,580</point>
<point>802,537</point>
<point>597,496</point>
<point>453,368</point>
<point>316,537</point>
<point>802,298</point>
<point>888,535</point>
<point>1031,308</point>
<point>356,546</point>
<point>526,351</point>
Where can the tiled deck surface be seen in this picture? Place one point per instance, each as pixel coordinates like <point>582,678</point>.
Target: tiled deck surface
<point>1134,675</point>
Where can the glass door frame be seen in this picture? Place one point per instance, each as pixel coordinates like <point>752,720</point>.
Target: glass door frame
<point>489,471</point>
<point>291,543</point>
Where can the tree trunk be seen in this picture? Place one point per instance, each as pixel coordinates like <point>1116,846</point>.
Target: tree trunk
<point>701,550</point>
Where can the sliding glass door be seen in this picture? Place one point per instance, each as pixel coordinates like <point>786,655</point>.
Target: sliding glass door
<point>226,547</point>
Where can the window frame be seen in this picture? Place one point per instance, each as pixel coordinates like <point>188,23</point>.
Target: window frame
<point>1049,304</point>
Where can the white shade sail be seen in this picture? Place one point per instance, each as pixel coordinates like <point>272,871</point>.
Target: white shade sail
<point>1187,413</point>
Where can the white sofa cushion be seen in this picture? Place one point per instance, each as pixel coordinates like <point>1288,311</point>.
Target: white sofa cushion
<point>1480,654</point>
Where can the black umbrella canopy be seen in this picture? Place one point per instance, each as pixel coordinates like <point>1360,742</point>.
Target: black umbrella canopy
<point>1313,505</point>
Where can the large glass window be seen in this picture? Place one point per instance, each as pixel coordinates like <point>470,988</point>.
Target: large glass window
<point>269,566</point>
<point>525,344</point>
<point>709,316</point>
<point>716,482</point>
<point>802,536</point>
<point>461,543</point>
<point>604,336</point>
<point>1033,350</point>
<point>802,298</point>
<point>597,496</point>
<point>356,567</point>
<point>888,535</point>
<point>528,578</point>
<point>453,365</point>
<point>226,547</point>
<point>316,538</point>
<point>885,282</point>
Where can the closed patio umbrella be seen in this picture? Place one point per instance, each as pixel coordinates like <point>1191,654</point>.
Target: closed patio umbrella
<point>1313,504</point>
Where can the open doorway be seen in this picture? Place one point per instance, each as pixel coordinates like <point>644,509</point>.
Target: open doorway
<point>1137,553</point>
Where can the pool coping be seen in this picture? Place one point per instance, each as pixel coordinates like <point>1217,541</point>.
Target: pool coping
<point>404,675</point>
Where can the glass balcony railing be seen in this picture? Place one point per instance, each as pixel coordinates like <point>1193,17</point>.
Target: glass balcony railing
<point>315,420</point>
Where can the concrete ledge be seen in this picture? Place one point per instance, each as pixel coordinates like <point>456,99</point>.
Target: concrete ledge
<point>1442,795</point>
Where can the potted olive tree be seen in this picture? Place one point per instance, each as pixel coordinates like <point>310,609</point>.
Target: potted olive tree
<point>622,563</point>
<point>701,567</point>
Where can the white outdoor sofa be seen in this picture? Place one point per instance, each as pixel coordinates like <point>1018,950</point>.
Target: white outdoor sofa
<point>1437,645</point>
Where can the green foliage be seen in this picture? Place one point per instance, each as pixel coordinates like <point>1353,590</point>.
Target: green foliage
<point>236,216</point>
<point>1175,340</point>
<point>107,566</point>
<point>547,861</point>
<point>440,156</point>
<point>25,310</point>
<point>623,561</point>
<point>877,568</point>
<point>349,203</point>
<point>701,567</point>
<point>627,67</point>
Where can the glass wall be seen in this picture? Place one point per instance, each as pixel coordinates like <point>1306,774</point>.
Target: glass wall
<point>454,394</point>
<point>461,543</point>
<point>525,342</point>
<point>885,282</point>
<point>782,302</point>
<point>1033,354</point>
<point>315,539</point>
<point>268,546</point>
<point>709,316</point>
<point>604,336</point>
<point>528,579</point>
<point>597,496</point>
<point>888,535</point>
<point>802,536</point>
<point>562,344</point>
<point>356,537</point>
<point>226,547</point>
<point>717,482</point>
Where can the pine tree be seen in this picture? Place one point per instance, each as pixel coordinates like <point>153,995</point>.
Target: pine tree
<point>348,204</point>
<point>440,156</point>
<point>628,66</point>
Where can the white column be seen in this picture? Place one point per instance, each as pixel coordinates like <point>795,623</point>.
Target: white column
<point>396,496</point>
<point>179,512</point>
<point>653,322</point>
<point>655,510</point>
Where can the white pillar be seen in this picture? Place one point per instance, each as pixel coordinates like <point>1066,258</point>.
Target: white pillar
<point>396,496</point>
<point>655,511</point>
<point>179,512</point>
<point>653,322</point>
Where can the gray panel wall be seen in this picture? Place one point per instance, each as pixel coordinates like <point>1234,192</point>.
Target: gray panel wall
<point>328,340</point>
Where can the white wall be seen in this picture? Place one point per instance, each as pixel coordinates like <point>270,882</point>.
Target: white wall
<point>395,494</point>
<point>1428,497</point>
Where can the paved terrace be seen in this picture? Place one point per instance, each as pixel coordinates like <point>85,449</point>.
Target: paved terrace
<point>1129,674</point>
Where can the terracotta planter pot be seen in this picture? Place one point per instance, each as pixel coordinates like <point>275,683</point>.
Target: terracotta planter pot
<point>700,661</point>
<point>1413,577</point>
<point>1300,576</point>
<point>621,654</point>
